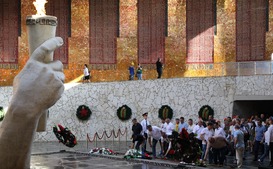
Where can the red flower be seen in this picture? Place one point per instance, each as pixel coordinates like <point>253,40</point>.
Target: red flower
<point>184,134</point>
<point>83,112</point>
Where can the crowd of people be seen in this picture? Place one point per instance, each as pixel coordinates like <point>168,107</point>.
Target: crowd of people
<point>216,139</point>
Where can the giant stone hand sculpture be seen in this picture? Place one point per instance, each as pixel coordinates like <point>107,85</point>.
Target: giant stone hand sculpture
<point>35,89</point>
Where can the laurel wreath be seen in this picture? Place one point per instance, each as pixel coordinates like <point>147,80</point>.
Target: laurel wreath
<point>165,112</point>
<point>205,111</point>
<point>83,112</point>
<point>124,113</point>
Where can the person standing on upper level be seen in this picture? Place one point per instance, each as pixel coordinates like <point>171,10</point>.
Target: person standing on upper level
<point>86,74</point>
<point>131,71</point>
<point>139,72</point>
<point>159,68</point>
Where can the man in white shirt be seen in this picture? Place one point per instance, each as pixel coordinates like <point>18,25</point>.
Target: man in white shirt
<point>169,127</point>
<point>270,131</point>
<point>190,126</point>
<point>168,131</point>
<point>266,146</point>
<point>197,130</point>
<point>219,131</point>
<point>144,123</point>
<point>154,133</point>
<point>162,125</point>
<point>205,134</point>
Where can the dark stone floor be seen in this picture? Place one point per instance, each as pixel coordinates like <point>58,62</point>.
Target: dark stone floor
<point>54,155</point>
<point>67,160</point>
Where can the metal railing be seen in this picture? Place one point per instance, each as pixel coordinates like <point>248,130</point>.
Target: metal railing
<point>234,68</point>
<point>104,136</point>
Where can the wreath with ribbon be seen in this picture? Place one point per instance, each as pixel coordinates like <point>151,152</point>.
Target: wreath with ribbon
<point>65,136</point>
<point>165,112</point>
<point>83,112</point>
<point>124,113</point>
<point>2,113</point>
<point>205,111</point>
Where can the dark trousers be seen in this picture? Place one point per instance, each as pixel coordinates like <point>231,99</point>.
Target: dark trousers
<point>159,72</point>
<point>219,155</point>
<point>200,144</point>
<point>271,150</point>
<point>257,146</point>
<point>145,141</point>
<point>138,144</point>
<point>154,147</point>
<point>231,148</point>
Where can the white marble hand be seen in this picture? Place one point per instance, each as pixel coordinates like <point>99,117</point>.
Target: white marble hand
<point>39,85</point>
<point>36,88</point>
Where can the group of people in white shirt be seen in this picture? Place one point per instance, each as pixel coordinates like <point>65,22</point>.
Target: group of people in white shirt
<point>213,137</point>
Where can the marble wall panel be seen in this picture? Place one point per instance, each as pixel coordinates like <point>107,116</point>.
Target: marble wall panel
<point>184,95</point>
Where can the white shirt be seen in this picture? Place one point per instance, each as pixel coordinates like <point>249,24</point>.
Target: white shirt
<point>169,129</point>
<point>220,132</point>
<point>232,129</point>
<point>86,71</point>
<point>206,134</point>
<point>162,126</point>
<point>197,130</point>
<point>267,137</point>
<point>270,131</point>
<point>190,128</point>
<point>144,123</point>
<point>155,133</point>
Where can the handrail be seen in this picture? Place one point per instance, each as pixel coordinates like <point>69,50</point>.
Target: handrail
<point>233,68</point>
<point>104,133</point>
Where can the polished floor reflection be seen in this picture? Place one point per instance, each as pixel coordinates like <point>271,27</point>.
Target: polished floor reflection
<point>66,160</point>
<point>54,155</point>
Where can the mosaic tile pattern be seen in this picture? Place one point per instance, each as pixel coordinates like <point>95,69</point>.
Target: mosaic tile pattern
<point>175,47</point>
<point>185,96</point>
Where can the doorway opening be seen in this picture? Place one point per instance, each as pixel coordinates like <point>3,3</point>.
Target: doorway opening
<point>247,106</point>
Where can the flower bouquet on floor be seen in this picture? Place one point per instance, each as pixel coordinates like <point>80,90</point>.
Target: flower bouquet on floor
<point>133,153</point>
<point>65,136</point>
<point>103,151</point>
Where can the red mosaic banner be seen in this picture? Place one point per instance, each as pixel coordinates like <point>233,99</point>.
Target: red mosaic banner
<point>250,30</point>
<point>61,9</point>
<point>103,31</point>
<point>151,30</point>
<point>9,20</point>
<point>200,31</point>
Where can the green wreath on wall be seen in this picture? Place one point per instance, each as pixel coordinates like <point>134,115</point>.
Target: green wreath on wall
<point>165,112</point>
<point>124,113</point>
<point>205,111</point>
<point>2,113</point>
<point>83,112</point>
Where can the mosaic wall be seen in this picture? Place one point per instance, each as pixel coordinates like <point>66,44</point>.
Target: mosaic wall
<point>127,44</point>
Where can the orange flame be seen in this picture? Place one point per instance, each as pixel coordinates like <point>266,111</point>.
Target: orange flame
<point>40,7</point>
